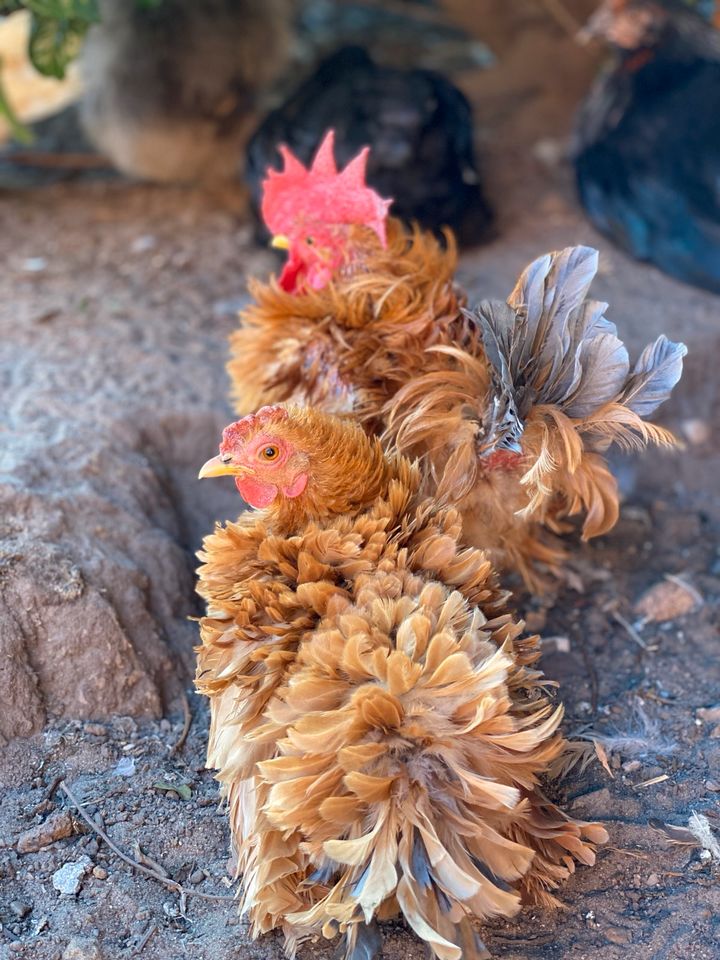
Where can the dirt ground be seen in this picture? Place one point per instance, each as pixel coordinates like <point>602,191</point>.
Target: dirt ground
<point>115,303</point>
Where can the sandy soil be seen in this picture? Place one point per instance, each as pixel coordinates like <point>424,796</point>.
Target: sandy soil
<point>115,304</point>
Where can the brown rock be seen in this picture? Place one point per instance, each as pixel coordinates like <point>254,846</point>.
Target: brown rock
<point>618,935</point>
<point>709,714</point>
<point>82,948</point>
<point>535,620</point>
<point>667,600</point>
<point>54,828</point>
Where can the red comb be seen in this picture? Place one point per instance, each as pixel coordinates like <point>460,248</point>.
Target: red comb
<point>321,193</point>
<point>236,433</point>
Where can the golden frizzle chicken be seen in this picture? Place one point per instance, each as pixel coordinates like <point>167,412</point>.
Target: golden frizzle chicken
<point>365,320</point>
<point>377,721</point>
<point>357,304</point>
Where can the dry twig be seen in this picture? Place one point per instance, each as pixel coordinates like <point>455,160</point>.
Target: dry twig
<point>630,630</point>
<point>152,929</point>
<point>148,871</point>
<point>187,722</point>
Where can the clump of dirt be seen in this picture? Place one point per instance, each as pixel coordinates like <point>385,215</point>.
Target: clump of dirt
<point>115,304</point>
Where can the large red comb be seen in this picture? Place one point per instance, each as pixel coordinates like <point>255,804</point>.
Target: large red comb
<point>235,433</point>
<point>321,193</point>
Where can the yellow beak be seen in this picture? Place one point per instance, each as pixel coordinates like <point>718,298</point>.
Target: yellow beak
<point>280,242</point>
<point>219,468</point>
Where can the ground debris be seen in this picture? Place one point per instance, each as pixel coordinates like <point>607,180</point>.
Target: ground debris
<point>82,948</point>
<point>668,600</point>
<point>56,827</point>
<point>68,879</point>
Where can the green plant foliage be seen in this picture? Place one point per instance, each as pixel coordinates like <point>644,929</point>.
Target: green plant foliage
<point>57,31</point>
<point>19,132</point>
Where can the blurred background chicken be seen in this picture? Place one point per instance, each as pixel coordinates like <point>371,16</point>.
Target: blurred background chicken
<point>171,88</point>
<point>376,719</point>
<point>419,126</point>
<point>647,151</point>
<point>512,406</point>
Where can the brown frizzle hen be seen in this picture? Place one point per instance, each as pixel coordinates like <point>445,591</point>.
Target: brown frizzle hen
<point>377,721</point>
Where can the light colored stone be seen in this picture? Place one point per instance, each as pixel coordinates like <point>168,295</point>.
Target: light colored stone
<point>82,948</point>
<point>68,879</point>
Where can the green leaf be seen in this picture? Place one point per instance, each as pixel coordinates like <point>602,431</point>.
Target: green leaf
<point>19,131</point>
<point>181,789</point>
<point>55,43</point>
<point>85,10</point>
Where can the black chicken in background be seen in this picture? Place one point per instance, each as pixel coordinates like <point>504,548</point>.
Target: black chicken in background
<point>418,124</point>
<point>647,144</point>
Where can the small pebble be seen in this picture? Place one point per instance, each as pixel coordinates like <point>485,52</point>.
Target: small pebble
<point>696,431</point>
<point>557,644</point>
<point>92,847</point>
<point>667,600</point>
<point>144,243</point>
<point>535,620</point>
<point>68,879</point>
<point>19,908</point>
<point>713,785</point>
<point>196,877</point>
<point>709,714</point>
<point>82,948</point>
<point>617,935</point>
<point>100,873</point>
<point>125,767</point>
<point>34,264</point>
<point>96,729</point>
<point>653,880</point>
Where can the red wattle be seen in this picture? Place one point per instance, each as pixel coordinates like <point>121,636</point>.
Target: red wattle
<point>255,493</point>
<point>290,275</point>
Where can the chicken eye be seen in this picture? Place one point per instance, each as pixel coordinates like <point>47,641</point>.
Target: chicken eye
<point>270,452</point>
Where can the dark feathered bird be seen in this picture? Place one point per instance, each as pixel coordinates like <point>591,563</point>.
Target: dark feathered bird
<point>419,127</point>
<point>647,152</point>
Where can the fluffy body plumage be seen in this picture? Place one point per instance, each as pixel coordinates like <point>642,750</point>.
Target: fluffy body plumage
<point>647,144</point>
<point>389,343</point>
<point>376,717</point>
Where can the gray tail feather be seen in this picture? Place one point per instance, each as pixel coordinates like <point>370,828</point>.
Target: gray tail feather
<point>549,344</point>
